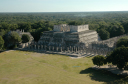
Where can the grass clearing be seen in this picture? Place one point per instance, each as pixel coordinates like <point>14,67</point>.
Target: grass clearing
<point>21,67</point>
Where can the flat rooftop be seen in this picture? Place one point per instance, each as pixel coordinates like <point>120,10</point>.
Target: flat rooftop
<point>82,32</point>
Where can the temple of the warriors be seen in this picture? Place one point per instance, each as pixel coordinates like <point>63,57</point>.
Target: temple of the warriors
<point>68,35</point>
<point>73,41</point>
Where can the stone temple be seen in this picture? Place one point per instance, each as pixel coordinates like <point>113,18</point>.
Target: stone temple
<point>69,35</point>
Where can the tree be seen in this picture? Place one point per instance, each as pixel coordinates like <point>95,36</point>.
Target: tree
<point>122,41</point>
<point>125,25</point>
<point>2,32</point>
<point>25,26</point>
<point>116,30</point>
<point>25,38</point>
<point>74,23</point>
<point>12,38</point>
<point>103,34</point>
<point>5,26</point>
<point>119,57</point>
<point>37,33</point>
<point>93,26</point>
<point>1,42</point>
<point>13,26</point>
<point>98,60</point>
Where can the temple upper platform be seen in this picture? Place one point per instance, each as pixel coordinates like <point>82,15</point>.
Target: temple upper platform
<point>70,28</point>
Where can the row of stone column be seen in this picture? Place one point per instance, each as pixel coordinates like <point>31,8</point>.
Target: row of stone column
<point>74,49</point>
<point>44,47</point>
<point>70,49</point>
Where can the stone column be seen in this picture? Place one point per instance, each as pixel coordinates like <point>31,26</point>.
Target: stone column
<point>103,53</point>
<point>95,52</point>
<point>41,47</point>
<point>76,49</point>
<point>53,48</point>
<point>89,50</point>
<point>49,48</point>
<point>45,47</point>
<point>86,50</point>
<point>106,52</point>
<point>38,47</point>
<point>22,45</point>
<point>35,47</point>
<point>67,49</point>
<point>57,49</point>
<point>60,49</point>
<point>72,49</point>
<point>99,52</point>
<point>92,52</point>
<point>81,52</point>
<point>26,45</point>
<point>29,47</point>
<point>32,47</point>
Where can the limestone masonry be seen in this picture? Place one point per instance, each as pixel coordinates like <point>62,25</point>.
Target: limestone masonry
<point>68,35</point>
<point>21,32</point>
<point>71,40</point>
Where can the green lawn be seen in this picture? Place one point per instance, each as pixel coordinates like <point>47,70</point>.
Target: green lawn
<point>20,67</point>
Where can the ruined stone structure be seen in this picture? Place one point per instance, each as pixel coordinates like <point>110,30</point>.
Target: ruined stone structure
<point>28,33</point>
<point>73,40</point>
<point>109,43</point>
<point>23,45</point>
<point>68,35</point>
<point>93,48</point>
<point>71,50</point>
<point>8,44</point>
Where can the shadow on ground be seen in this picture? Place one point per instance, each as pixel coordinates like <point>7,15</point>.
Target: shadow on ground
<point>105,76</point>
<point>1,51</point>
<point>46,52</point>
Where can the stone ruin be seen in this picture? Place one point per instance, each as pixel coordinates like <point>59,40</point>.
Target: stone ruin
<point>71,40</point>
<point>77,50</point>
<point>21,32</point>
<point>68,35</point>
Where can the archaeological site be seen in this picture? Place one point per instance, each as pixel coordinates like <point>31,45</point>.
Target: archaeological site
<point>72,40</point>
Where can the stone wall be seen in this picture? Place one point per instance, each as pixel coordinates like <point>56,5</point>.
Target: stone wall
<point>61,28</point>
<point>108,43</point>
<point>21,32</point>
<point>80,50</point>
<point>70,28</point>
<point>83,28</point>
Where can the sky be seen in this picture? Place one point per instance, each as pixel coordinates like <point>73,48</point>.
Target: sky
<point>62,5</point>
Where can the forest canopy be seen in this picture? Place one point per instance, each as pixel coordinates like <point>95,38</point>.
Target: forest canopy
<point>112,23</point>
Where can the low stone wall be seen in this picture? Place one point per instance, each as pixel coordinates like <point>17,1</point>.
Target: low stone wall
<point>107,43</point>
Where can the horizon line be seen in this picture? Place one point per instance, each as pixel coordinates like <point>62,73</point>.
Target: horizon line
<point>65,12</point>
